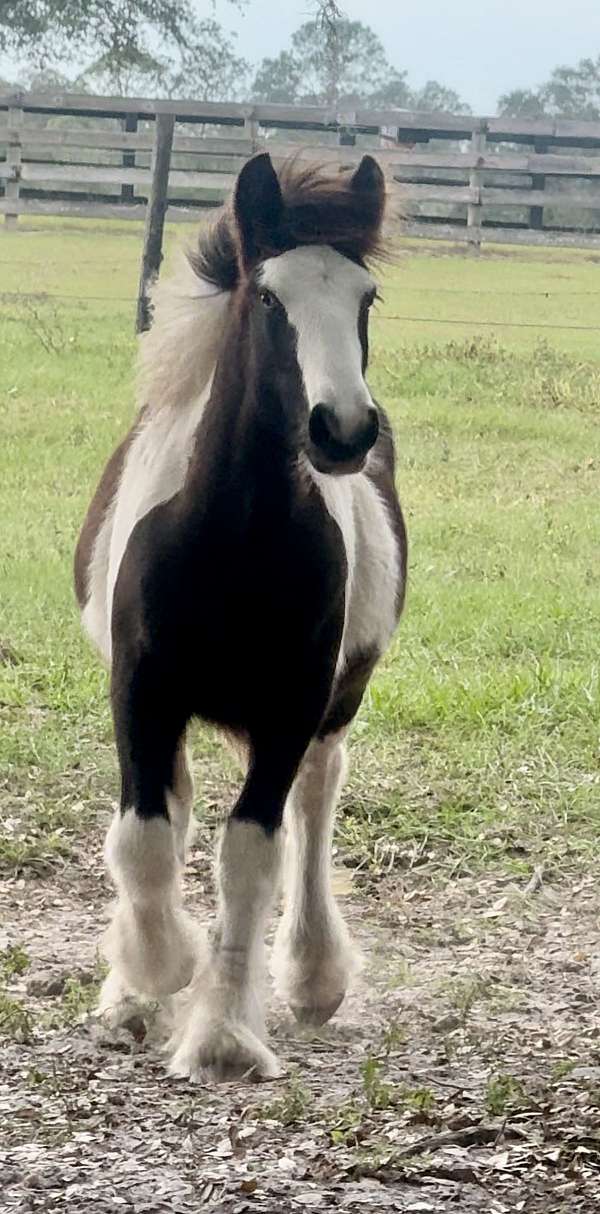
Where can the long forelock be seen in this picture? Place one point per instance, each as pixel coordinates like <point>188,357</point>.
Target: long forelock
<point>319,209</point>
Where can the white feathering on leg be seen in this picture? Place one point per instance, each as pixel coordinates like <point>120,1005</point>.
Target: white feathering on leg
<point>221,1021</point>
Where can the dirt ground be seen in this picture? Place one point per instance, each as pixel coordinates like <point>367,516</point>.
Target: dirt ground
<point>461,1074</point>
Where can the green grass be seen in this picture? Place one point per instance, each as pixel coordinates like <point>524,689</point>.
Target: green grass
<point>479,738</point>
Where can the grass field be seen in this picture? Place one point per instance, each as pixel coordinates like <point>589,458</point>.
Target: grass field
<point>471,818</point>
<point>480,733</point>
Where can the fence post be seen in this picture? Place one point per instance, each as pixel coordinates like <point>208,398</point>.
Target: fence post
<point>251,130</point>
<point>538,182</point>
<point>474,209</point>
<point>129,124</point>
<point>12,187</point>
<point>155,214</point>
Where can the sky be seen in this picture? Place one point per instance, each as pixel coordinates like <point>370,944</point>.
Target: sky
<point>481,48</point>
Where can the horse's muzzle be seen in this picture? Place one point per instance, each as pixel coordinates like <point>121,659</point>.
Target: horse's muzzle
<point>338,454</point>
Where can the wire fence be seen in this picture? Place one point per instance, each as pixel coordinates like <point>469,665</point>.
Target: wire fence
<point>404,288</point>
<point>42,297</point>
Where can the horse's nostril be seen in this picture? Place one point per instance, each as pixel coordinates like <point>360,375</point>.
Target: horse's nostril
<point>324,427</point>
<point>328,437</point>
<point>371,430</point>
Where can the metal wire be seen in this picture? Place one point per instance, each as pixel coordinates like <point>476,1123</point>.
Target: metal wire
<point>466,322</point>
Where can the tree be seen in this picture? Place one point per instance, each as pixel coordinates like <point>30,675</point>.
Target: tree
<point>347,66</point>
<point>205,68</point>
<point>393,94</point>
<point>53,31</point>
<point>279,79</point>
<point>344,64</point>
<point>48,31</point>
<point>119,38</point>
<point>574,92</point>
<point>521,103</point>
<point>436,97</point>
<point>570,92</point>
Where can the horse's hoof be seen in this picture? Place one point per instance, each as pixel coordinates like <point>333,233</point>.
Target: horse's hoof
<point>224,1054</point>
<point>314,1015</point>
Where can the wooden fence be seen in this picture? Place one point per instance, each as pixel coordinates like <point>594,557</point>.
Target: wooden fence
<point>449,176</point>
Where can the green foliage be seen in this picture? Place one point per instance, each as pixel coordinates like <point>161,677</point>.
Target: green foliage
<point>53,29</point>
<point>379,1095</point>
<point>418,1100</point>
<point>203,66</point>
<point>434,97</point>
<point>16,1022</point>
<point>14,961</point>
<point>345,1122</point>
<point>502,1094</point>
<point>466,992</point>
<point>292,1107</point>
<point>521,103</point>
<point>160,46</point>
<point>570,92</point>
<point>563,1068</point>
<point>78,999</point>
<point>348,67</point>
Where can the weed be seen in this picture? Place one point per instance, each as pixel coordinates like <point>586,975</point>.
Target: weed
<point>401,974</point>
<point>393,1038</point>
<point>345,1124</point>
<point>292,1107</point>
<point>420,1101</point>
<point>78,999</point>
<point>502,1093</point>
<point>16,1021</point>
<point>378,1094</point>
<point>562,1068</point>
<point>46,323</point>
<point>464,993</point>
<point>14,961</point>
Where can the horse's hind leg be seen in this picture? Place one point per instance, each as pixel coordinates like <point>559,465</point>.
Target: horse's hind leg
<point>313,957</point>
<point>151,943</point>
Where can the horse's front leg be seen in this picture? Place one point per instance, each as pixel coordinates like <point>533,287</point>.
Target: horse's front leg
<point>314,957</point>
<point>151,944</point>
<point>220,1032</point>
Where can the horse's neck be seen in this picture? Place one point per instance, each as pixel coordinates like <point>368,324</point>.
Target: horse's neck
<point>245,452</point>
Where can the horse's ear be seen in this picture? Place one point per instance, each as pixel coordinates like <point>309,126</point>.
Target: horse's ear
<point>369,181</point>
<point>258,208</point>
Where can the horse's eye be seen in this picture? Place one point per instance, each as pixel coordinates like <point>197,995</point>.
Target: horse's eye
<point>267,299</point>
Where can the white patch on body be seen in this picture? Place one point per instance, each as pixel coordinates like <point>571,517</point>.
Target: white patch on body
<point>314,957</point>
<point>372,558</point>
<point>94,615</point>
<point>221,1021</point>
<point>177,359</point>
<point>321,292</point>
<point>155,469</point>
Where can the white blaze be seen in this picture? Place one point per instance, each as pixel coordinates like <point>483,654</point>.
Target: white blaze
<point>321,292</point>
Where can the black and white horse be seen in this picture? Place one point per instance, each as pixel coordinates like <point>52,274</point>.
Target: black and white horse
<point>243,561</point>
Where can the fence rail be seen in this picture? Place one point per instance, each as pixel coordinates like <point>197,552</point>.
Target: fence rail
<point>449,176</point>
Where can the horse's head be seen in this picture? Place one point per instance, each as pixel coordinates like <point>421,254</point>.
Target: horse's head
<point>302,252</point>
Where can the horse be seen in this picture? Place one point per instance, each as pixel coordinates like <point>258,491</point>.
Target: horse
<point>243,561</point>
